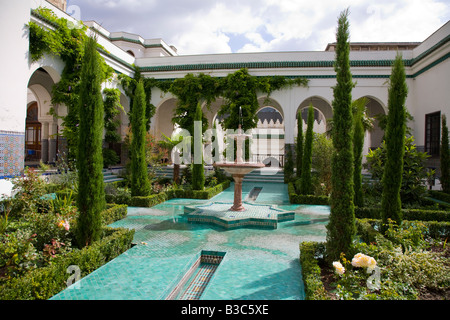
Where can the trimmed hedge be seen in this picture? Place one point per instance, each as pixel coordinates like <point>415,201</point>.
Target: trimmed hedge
<point>43,283</point>
<point>439,195</point>
<point>408,214</point>
<point>311,273</point>
<point>436,229</point>
<point>149,201</point>
<point>295,198</point>
<point>114,213</point>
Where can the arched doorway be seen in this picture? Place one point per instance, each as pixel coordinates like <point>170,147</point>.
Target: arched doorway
<point>41,138</point>
<point>33,135</point>
<point>269,135</point>
<point>374,137</point>
<point>322,112</point>
<point>163,119</point>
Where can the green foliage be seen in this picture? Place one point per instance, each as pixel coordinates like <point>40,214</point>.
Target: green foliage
<point>112,108</point>
<point>306,184</point>
<point>129,85</point>
<point>322,152</point>
<point>240,96</point>
<point>413,170</point>
<point>140,185</point>
<point>17,252</point>
<point>395,140</point>
<point>309,257</point>
<point>192,90</point>
<point>341,227</point>
<point>28,194</point>
<point>445,157</point>
<point>68,44</point>
<point>299,144</point>
<point>91,193</point>
<point>288,166</point>
<point>43,283</point>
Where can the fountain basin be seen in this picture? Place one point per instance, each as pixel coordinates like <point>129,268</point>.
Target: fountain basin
<point>238,170</point>
<point>256,215</point>
<point>234,168</point>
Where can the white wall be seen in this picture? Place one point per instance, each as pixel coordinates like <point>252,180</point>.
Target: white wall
<point>14,15</point>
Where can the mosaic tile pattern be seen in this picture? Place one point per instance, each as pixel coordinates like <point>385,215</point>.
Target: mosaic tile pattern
<point>255,215</point>
<point>12,146</point>
<point>200,281</point>
<point>259,264</point>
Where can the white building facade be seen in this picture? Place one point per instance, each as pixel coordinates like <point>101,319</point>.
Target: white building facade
<point>28,133</point>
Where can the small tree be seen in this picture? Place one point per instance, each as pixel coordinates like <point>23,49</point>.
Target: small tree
<point>140,185</point>
<point>395,143</point>
<point>445,157</point>
<point>91,192</point>
<point>305,184</point>
<point>341,227</point>
<point>198,170</point>
<point>299,144</point>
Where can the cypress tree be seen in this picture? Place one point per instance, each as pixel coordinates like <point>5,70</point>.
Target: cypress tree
<point>140,185</point>
<point>445,157</point>
<point>299,145</point>
<point>306,185</point>
<point>395,143</point>
<point>91,192</point>
<point>341,226</point>
<point>358,144</point>
<point>288,169</point>
<point>198,171</point>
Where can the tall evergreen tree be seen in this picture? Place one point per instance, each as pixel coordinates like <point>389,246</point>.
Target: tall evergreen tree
<point>445,157</point>
<point>91,192</point>
<point>341,227</point>
<point>140,185</point>
<point>306,184</point>
<point>198,171</point>
<point>299,145</point>
<point>359,107</point>
<point>288,169</point>
<point>395,143</point>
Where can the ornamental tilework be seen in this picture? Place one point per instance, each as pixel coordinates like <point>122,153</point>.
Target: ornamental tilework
<point>11,153</point>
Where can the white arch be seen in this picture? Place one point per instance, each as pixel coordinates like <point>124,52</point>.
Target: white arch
<point>44,101</point>
<point>53,65</point>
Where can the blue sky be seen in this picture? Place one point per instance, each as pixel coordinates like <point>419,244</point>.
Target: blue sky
<point>225,26</point>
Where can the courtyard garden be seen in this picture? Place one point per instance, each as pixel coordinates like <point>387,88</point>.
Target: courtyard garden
<point>385,232</point>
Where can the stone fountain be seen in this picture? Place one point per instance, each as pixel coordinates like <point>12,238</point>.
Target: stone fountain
<point>255,215</point>
<point>238,169</point>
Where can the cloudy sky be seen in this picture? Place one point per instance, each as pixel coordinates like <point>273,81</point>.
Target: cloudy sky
<point>225,26</point>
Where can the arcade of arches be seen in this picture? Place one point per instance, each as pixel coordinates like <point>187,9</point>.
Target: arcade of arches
<point>44,141</point>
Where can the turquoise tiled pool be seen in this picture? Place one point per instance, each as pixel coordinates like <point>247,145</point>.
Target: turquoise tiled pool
<point>259,263</point>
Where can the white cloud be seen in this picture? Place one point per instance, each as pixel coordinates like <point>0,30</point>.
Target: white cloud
<point>223,26</point>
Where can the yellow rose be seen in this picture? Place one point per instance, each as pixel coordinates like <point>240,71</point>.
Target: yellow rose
<point>339,267</point>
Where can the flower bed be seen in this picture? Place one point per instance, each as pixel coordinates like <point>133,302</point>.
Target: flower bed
<point>406,263</point>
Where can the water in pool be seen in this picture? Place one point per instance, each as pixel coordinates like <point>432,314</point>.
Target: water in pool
<point>259,264</point>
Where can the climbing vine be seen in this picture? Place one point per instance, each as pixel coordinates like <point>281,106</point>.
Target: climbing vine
<point>68,44</point>
<point>239,88</point>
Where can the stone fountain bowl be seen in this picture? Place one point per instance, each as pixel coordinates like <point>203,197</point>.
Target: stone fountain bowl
<point>239,168</point>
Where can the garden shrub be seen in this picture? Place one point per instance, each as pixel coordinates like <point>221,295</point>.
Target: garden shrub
<point>314,289</point>
<point>43,283</point>
<point>408,214</point>
<point>155,199</point>
<point>440,195</point>
<point>295,198</point>
<point>114,213</point>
